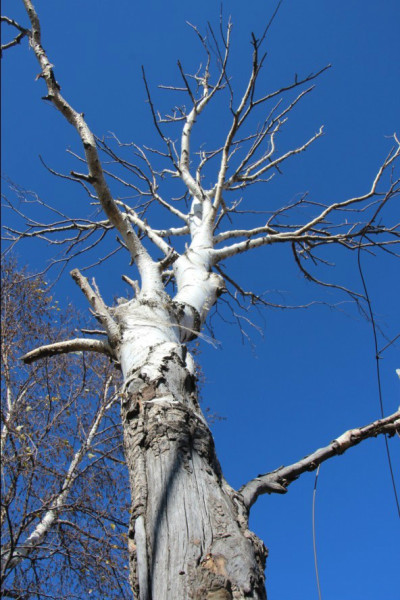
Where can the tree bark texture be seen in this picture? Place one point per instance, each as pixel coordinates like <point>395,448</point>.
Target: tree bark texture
<point>188,535</point>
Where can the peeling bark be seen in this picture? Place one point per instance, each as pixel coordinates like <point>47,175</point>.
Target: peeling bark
<point>188,535</point>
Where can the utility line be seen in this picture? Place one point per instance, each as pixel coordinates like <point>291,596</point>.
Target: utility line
<point>313,533</point>
<point>378,371</point>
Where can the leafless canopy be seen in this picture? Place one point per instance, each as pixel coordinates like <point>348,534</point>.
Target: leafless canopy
<point>194,190</point>
<point>128,182</point>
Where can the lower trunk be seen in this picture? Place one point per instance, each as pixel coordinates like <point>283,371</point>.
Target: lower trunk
<point>188,535</point>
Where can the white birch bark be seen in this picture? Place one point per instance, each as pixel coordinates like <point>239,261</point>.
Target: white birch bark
<point>188,533</point>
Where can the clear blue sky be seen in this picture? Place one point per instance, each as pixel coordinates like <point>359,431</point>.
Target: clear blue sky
<point>312,375</point>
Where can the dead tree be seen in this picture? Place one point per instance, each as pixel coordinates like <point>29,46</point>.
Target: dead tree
<point>188,534</point>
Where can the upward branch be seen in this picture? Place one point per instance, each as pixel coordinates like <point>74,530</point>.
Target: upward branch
<point>151,277</point>
<point>318,231</point>
<point>248,154</point>
<point>197,109</point>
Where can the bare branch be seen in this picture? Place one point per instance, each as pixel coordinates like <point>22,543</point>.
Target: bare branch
<point>149,232</point>
<point>277,481</point>
<point>354,295</point>
<point>132,283</point>
<point>76,345</point>
<point>248,176</point>
<point>22,33</point>
<point>393,155</point>
<point>101,311</point>
<point>272,19</point>
<point>150,181</point>
<point>297,82</point>
<point>318,231</point>
<point>167,141</point>
<point>270,127</point>
<point>236,122</point>
<point>198,107</point>
<point>258,299</point>
<point>150,275</point>
<point>93,331</point>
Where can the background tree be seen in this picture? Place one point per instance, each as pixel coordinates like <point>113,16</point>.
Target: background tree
<point>192,302</point>
<point>64,492</point>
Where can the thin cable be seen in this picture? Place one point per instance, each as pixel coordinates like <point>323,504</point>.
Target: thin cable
<point>378,372</point>
<point>313,534</point>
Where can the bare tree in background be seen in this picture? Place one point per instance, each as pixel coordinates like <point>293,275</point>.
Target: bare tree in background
<point>64,484</point>
<point>188,532</point>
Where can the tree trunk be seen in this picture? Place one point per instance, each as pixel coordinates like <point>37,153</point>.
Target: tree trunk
<point>188,535</point>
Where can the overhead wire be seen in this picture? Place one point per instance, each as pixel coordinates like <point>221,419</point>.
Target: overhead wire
<point>378,370</point>
<point>314,534</point>
<point>380,395</point>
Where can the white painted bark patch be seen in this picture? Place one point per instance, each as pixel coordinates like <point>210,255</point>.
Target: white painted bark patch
<point>198,288</point>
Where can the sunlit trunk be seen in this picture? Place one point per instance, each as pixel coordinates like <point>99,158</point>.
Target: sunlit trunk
<point>188,534</point>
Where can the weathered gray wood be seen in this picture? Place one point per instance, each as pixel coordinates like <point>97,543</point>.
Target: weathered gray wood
<point>188,534</point>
